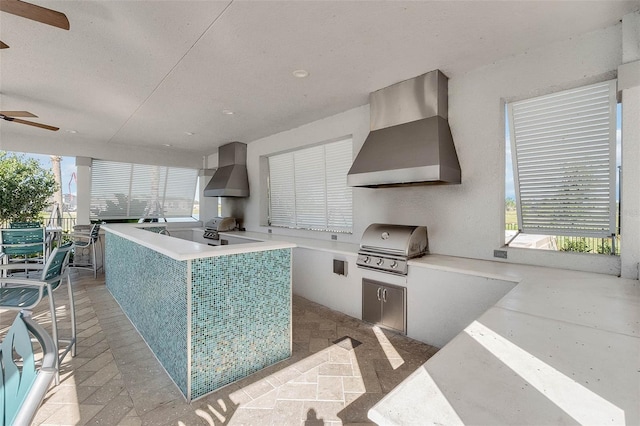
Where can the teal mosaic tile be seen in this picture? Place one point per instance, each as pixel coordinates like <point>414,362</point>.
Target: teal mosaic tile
<point>240,310</point>
<point>241,316</point>
<point>151,288</point>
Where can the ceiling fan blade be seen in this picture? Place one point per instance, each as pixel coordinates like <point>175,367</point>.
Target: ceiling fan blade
<point>18,114</point>
<point>31,123</point>
<point>3,46</point>
<point>35,13</point>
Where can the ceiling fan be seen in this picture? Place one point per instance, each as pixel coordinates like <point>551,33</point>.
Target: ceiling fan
<point>35,13</point>
<point>11,116</point>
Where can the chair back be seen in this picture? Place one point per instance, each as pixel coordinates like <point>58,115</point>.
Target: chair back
<point>24,387</point>
<point>22,241</point>
<point>56,266</point>
<point>94,232</point>
<point>23,225</point>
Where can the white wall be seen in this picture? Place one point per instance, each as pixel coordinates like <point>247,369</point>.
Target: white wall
<point>468,219</point>
<point>630,207</point>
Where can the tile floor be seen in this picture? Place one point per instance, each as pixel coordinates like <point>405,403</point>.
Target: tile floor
<point>340,368</point>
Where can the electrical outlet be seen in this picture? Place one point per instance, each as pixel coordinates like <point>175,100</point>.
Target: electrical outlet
<point>502,254</point>
<point>269,230</point>
<point>334,237</point>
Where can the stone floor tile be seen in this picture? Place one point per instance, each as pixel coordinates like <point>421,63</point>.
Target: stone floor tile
<point>258,388</point>
<point>297,391</point>
<point>330,369</point>
<point>102,376</point>
<point>98,362</point>
<point>266,401</point>
<point>353,384</point>
<point>250,416</point>
<point>287,374</point>
<point>324,410</point>
<point>330,388</point>
<point>116,380</point>
<point>113,412</point>
<point>288,413</point>
<point>130,421</point>
<point>72,414</point>
<point>106,393</point>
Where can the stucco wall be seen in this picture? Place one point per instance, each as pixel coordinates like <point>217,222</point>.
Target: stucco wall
<point>468,219</point>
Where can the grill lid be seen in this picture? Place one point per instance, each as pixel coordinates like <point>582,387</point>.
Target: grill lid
<point>399,240</point>
<point>221,224</point>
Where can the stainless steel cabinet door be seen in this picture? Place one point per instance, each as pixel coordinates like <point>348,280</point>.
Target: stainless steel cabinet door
<point>371,301</point>
<point>393,308</point>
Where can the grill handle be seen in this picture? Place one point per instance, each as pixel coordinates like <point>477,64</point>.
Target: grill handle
<point>378,293</point>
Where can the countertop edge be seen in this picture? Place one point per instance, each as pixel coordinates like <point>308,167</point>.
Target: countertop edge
<point>186,250</point>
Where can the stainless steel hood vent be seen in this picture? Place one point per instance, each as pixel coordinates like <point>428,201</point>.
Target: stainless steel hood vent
<point>230,178</point>
<point>410,142</point>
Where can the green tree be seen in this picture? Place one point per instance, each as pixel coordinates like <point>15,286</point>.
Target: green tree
<point>25,188</point>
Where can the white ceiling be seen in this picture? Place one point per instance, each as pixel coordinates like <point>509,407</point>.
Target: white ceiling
<point>145,72</point>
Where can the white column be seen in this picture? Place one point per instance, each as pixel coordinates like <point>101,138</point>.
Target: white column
<point>83,173</point>
<point>629,85</point>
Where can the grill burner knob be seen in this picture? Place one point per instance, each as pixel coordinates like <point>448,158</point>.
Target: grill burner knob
<point>367,259</point>
<point>394,264</point>
<point>380,262</point>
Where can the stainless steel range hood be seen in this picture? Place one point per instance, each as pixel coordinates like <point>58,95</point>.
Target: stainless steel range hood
<point>230,178</point>
<point>410,142</point>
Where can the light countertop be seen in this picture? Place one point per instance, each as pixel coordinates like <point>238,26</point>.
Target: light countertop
<point>180,249</point>
<point>562,347</point>
<point>308,243</point>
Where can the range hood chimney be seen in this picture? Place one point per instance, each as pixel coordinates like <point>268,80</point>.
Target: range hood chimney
<point>230,178</point>
<point>410,142</point>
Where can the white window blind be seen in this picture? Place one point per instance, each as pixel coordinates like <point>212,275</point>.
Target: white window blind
<point>132,191</point>
<point>308,188</point>
<point>564,147</point>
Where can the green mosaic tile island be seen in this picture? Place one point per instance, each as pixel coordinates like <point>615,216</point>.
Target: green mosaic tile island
<point>241,316</point>
<point>240,310</point>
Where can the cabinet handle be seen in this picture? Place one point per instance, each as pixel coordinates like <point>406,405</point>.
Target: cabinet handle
<point>384,295</point>
<point>378,293</point>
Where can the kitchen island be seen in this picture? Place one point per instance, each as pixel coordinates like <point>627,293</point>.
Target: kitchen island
<point>211,315</point>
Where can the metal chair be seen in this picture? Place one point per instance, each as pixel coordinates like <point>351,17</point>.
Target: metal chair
<point>83,240</point>
<point>23,386</point>
<point>20,293</point>
<point>23,244</point>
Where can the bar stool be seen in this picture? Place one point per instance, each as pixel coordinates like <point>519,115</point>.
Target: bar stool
<point>84,240</point>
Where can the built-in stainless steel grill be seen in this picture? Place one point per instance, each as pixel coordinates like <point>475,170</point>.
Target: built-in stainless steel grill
<point>218,224</point>
<point>387,248</point>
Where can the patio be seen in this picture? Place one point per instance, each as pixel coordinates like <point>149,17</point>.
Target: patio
<point>115,379</point>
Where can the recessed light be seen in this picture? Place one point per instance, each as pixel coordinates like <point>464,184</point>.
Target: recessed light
<point>227,112</point>
<point>71,131</point>
<point>301,73</point>
<point>167,144</point>
<point>189,133</point>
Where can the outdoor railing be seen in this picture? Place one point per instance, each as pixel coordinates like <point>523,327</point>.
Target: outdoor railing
<point>579,244</point>
<point>67,223</point>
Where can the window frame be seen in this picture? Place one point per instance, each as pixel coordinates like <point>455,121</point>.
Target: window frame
<point>611,167</point>
<point>294,224</point>
<point>133,179</point>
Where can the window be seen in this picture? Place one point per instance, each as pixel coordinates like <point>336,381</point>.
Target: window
<point>132,191</point>
<point>563,149</point>
<point>308,188</point>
